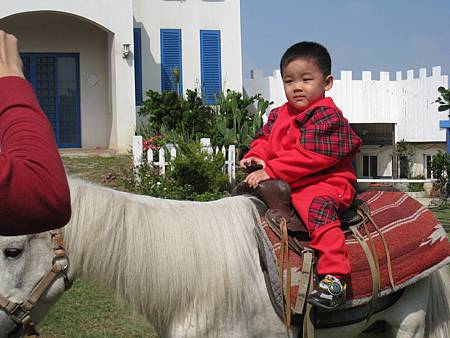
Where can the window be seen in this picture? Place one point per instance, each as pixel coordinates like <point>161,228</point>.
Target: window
<point>370,165</point>
<point>211,68</point>
<point>137,65</point>
<point>171,71</point>
<point>427,166</point>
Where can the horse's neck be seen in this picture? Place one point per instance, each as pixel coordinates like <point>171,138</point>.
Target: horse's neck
<point>178,255</point>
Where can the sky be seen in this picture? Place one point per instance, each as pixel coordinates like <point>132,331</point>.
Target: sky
<point>373,35</point>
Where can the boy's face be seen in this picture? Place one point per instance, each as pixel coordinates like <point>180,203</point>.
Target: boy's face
<point>304,84</point>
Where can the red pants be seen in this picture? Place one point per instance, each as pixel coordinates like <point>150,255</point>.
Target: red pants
<point>318,206</point>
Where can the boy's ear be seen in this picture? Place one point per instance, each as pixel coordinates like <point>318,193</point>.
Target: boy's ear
<point>329,82</point>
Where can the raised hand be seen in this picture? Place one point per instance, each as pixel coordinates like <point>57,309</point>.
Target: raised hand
<point>10,62</point>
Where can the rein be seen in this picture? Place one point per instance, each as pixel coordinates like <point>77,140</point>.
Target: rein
<point>20,313</point>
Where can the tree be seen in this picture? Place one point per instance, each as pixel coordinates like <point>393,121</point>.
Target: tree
<point>444,99</point>
<point>440,164</point>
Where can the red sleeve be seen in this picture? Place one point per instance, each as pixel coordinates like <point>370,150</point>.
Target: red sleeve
<point>260,145</point>
<point>325,139</point>
<point>34,194</point>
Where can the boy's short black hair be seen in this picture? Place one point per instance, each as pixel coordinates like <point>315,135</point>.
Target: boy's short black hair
<point>310,51</point>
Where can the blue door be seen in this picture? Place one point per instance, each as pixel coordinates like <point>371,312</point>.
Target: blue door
<point>56,80</point>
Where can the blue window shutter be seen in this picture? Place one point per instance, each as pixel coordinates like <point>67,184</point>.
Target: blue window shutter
<point>211,65</point>
<point>137,65</point>
<point>171,60</point>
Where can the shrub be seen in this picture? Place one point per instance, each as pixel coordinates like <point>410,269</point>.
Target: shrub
<point>195,167</point>
<point>192,175</point>
<point>169,111</point>
<point>235,120</point>
<point>416,187</point>
<point>440,167</point>
<point>444,99</point>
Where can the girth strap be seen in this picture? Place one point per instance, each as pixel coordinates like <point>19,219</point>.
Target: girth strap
<point>385,245</point>
<point>373,268</point>
<point>305,280</point>
<point>285,283</point>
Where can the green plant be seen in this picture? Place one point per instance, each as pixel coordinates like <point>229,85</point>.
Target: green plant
<point>193,166</point>
<point>440,167</point>
<point>185,115</point>
<point>444,99</point>
<point>416,187</point>
<point>235,121</point>
<point>177,76</point>
<point>404,154</point>
<point>194,174</point>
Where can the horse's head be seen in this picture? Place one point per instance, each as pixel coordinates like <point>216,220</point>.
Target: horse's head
<point>24,261</point>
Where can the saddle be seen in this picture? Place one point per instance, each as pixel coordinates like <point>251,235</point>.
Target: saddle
<point>291,230</point>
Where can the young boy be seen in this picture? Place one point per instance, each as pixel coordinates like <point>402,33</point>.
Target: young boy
<point>309,144</point>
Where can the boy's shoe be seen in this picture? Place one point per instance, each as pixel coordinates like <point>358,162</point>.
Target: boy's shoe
<point>329,294</point>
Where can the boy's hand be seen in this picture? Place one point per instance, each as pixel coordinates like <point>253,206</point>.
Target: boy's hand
<point>251,164</point>
<point>10,62</point>
<point>256,177</point>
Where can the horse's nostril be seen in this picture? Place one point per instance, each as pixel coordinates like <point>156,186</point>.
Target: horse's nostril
<point>12,252</point>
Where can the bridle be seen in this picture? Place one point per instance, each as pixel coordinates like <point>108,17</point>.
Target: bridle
<point>20,313</point>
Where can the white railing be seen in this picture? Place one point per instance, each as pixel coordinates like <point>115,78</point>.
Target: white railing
<point>138,155</point>
<point>395,180</point>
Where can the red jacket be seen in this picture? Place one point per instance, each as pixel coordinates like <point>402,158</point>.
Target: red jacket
<point>34,194</point>
<point>304,148</point>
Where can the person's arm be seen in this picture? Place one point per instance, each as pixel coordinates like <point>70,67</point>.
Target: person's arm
<point>324,142</point>
<point>34,194</point>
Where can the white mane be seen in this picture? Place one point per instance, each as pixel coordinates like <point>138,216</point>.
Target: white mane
<point>122,239</point>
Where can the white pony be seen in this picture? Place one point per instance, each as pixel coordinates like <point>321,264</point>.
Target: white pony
<point>192,269</point>
<point>24,260</point>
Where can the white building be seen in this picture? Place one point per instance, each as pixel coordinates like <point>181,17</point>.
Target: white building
<point>91,62</point>
<point>383,112</point>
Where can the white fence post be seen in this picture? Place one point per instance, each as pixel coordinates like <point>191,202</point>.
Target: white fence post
<point>137,150</point>
<point>137,155</point>
<point>206,144</point>
<point>162,161</point>
<point>232,163</point>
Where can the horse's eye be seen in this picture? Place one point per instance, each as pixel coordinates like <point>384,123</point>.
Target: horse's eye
<point>12,252</point>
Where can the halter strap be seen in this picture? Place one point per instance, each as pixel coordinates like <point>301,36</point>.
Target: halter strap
<point>20,313</point>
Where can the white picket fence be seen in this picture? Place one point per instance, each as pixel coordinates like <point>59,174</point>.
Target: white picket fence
<point>138,155</point>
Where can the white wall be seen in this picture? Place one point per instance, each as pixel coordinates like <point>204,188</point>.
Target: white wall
<point>406,102</point>
<point>191,17</point>
<point>384,159</point>
<point>116,18</point>
<point>95,110</point>
<point>418,168</point>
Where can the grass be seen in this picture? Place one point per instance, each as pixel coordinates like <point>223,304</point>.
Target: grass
<point>90,309</point>
<point>443,214</point>
<point>108,171</point>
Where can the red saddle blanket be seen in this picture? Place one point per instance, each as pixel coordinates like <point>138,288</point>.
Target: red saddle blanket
<point>417,243</point>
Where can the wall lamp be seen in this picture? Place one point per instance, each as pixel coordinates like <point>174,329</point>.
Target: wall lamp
<point>125,50</point>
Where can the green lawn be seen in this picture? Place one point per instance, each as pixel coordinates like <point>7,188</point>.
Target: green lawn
<point>444,216</point>
<point>90,309</point>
